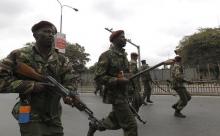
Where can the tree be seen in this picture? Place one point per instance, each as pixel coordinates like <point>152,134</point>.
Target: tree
<point>93,67</point>
<point>77,55</point>
<point>201,48</point>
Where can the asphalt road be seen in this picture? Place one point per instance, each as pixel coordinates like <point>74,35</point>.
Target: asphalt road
<point>203,117</point>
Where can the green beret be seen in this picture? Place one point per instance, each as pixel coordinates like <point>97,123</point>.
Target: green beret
<point>42,24</point>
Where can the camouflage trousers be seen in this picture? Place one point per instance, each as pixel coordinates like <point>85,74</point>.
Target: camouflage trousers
<point>52,128</point>
<point>147,91</point>
<point>121,117</point>
<point>184,98</point>
<point>137,101</point>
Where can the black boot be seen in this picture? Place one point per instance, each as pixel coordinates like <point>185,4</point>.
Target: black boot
<point>149,101</point>
<point>179,114</point>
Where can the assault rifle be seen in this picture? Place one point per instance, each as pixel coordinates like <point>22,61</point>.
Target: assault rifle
<point>121,75</point>
<point>27,71</point>
<point>167,62</point>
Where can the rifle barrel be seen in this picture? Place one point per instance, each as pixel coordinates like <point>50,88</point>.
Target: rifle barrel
<point>141,72</point>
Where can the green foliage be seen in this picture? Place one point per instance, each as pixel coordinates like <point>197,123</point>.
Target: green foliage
<point>201,48</point>
<point>93,67</point>
<point>76,54</point>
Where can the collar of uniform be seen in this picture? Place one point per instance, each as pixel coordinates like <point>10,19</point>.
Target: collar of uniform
<point>144,66</point>
<point>38,57</point>
<point>119,51</point>
<point>133,61</point>
<point>38,51</point>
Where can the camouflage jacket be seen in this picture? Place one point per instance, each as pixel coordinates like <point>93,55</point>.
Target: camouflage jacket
<point>45,105</point>
<point>177,76</point>
<point>145,77</point>
<point>136,81</point>
<point>110,64</point>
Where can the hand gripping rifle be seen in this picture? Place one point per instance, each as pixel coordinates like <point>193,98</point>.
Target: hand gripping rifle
<point>27,71</point>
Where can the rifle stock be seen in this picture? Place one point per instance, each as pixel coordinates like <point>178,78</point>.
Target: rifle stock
<point>27,71</point>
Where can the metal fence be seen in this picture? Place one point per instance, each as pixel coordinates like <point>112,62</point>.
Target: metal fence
<point>205,86</point>
<point>162,88</point>
<point>199,88</point>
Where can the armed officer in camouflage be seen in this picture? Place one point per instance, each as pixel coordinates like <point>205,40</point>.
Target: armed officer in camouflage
<point>178,86</point>
<point>39,109</point>
<point>135,85</point>
<point>146,79</point>
<point>111,64</point>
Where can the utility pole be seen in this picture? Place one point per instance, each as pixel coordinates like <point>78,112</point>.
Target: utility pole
<point>60,39</point>
<point>61,13</point>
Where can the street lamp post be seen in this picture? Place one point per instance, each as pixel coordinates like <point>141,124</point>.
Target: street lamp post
<point>61,13</point>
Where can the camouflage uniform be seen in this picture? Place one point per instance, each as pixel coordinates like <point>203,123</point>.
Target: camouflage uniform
<point>110,64</point>
<point>98,88</point>
<point>135,87</point>
<point>178,86</point>
<point>45,115</point>
<point>146,79</point>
